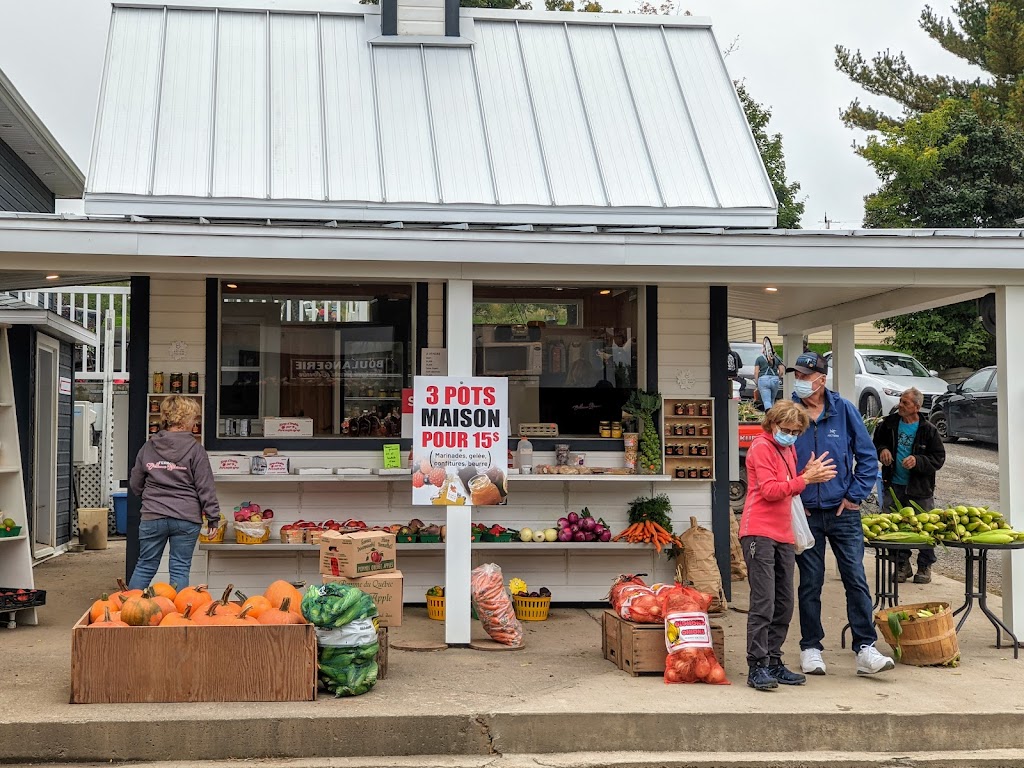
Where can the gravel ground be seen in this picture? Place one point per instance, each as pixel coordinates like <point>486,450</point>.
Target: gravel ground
<point>971,475</point>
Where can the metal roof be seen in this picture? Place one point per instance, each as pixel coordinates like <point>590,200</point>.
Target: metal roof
<point>545,118</point>
<point>23,131</point>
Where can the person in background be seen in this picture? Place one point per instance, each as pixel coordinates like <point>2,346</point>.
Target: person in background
<point>768,372</point>
<point>766,537</point>
<point>172,474</point>
<point>833,514</point>
<point>910,452</point>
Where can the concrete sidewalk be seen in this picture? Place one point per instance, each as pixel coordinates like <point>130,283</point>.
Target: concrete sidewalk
<point>556,696</point>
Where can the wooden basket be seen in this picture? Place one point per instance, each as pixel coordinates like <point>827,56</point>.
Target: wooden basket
<point>313,535</point>
<point>294,536</point>
<point>244,538</point>
<point>531,608</point>
<point>925,642</point>
<point>435,608</point>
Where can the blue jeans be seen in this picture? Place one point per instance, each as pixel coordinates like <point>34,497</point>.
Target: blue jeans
<point>768,386</point>
<point>846,537</point>
<point>153,535</point>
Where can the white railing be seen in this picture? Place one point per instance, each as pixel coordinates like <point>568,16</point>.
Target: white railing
<point>85,306</point>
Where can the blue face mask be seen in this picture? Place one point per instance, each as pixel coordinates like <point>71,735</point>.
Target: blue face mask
<point>783,439</point>
<point>803,389</point>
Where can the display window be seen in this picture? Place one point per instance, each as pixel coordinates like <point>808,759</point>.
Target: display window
<point>570,354</point>
<point>301,360</point>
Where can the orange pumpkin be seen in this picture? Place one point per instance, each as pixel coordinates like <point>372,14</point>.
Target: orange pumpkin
<point>256,605</point>
<point>197,596</point>
<point>141,612</point>
<point>163,589</point>
<point>124,594</point>
<point>97,608</point>
<point>166,605</point>
<point>205,615</point>
<point>245,618</point>
<point>282,615</point>
<point>279,590</point>
<point>108,620</point>
<point>176,619</point>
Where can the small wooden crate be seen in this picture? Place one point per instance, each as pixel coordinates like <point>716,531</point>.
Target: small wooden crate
<point>132,665</point>
<point>382,653</point>
<point>640,648</point>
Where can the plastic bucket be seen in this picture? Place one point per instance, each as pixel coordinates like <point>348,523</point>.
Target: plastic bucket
<point>120,499</point>
<point>92,526</point>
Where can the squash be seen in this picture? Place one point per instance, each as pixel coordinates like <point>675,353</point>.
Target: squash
<point>243,619</point>
<point>257,605</point>
<point>108,620</point>
<point>178,619</point>
<point>279,590</point>
<point>223,607</point>
<point>197,596</point>
<point>205,615</point>
<point>97,608</point>
<point>282,615</point>
<point>124,594</point>
<point>163,589</point>
<point>141,611</point>
<point>166,605</point>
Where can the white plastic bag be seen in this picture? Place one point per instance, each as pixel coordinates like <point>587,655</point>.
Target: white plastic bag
<point>801,531</point>
<point>358,632</point>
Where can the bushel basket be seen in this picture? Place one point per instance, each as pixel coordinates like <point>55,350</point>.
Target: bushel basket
<point>924,642</point>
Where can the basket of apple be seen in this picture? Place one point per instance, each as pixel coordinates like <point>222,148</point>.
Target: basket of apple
<point>250,523</point>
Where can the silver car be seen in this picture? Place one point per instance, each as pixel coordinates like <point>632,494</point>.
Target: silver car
<point>882,376</point>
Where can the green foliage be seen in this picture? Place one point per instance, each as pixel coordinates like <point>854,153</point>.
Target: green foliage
<point>943,338</point>
<point>770,147</point>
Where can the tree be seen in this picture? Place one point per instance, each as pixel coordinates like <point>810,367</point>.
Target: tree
<point>770,147</point>
<point>986,33</point>
<point>944,338</point>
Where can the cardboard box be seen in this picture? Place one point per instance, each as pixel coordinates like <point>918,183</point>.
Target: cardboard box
<point>287,427</point>
<point>270,465</point>
<point>640,648</point>
<point>386,591</point>
<point>230,465</point>
<point>357,554</point>
<point>129,665</point>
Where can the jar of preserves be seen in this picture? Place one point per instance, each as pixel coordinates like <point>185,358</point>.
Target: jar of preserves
<point>705,430</point>
<point>617,429</point>
<point>705,473</point>
<point>177,381</point>
<point>693,449</point>
<point>681,473</point>
<point>691,430</point>
<point>154,427</point>
<point>154,406</point>
<point>702,450</point>
<point>691,409</point>
<point>704,409</point>
<point>483,492</point>
<point>605,429</point>
<point>193,383</point>
<point>158,382</point>
<point>692,473</point>
<point>680,409</point>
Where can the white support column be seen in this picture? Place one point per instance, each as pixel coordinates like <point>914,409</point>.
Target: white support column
<point>843,376</point>
<point>792,346</point>
<point>1010,378</point>
<point>458,558</point>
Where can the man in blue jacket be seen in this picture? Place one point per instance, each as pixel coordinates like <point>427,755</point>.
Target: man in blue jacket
<point>833,513</point>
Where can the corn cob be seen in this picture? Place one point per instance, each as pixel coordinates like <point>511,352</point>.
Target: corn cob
<point>905,537</point>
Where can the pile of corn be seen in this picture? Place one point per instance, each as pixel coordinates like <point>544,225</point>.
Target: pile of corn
<point>915,525</point>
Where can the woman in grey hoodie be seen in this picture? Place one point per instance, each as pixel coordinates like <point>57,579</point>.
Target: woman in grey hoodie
<point>173,476</point>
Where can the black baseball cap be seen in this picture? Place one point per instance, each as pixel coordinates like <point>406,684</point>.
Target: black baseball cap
<point>809,362</point>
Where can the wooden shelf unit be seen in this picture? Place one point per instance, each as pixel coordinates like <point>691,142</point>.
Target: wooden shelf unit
<point>702,440</point>
<point>154,418</point>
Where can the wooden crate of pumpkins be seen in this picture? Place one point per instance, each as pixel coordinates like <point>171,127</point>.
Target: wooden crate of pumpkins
<point>167,646</point>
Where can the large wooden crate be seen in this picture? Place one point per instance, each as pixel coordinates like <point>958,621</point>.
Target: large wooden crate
<point>640,648</point>
<point>133,665</point>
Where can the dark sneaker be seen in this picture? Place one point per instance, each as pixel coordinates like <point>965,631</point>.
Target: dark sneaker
<point>760,679</point>
<point>904,572</point>
<point>923,575</point>
<point>785,676</point>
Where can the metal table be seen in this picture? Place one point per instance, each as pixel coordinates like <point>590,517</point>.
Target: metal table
<point>887,586</point>
<point>976,585</point>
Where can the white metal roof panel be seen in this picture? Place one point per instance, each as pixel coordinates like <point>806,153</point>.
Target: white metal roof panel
<point>530,118</point>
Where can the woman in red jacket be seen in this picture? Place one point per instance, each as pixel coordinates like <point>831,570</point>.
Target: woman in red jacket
<point>766,535</point>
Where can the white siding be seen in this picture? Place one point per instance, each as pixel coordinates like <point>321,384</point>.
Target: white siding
<point>177,313</point>
<point>864,334</point>
<point>435,315</point>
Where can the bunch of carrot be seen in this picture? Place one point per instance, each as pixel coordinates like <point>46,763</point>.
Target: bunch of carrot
<point>647,532</point>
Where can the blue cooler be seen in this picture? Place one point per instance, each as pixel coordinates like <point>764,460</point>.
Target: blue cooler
<point>120,511</point>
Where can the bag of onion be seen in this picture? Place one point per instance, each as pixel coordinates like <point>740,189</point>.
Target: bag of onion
<point>688,637</point>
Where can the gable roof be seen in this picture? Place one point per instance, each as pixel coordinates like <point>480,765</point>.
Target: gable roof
<point>23,131</point>
<point>559,118</point>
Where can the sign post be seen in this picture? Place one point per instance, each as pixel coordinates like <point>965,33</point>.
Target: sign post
<point>459,460</point>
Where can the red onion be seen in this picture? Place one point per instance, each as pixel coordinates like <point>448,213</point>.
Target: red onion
<point>606,535</point>
<point>565,535</point>
<point>587,523</point>
<point>562,522</point>
<point>574,527</point>
<point>579,536</point>
<point>573,518</point>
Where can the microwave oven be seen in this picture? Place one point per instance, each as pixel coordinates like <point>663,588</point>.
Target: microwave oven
<point>514,358</point>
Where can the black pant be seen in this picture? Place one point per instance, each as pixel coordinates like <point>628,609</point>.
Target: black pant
<point>770,568</point>
<point>925,557</point>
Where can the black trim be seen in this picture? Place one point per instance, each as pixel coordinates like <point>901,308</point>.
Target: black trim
<point>389,17</point>
<point>211,401</point>
<point>651,337</point>
<point>721,391</point>
<point>451,18</point>
<point>138,387</point>
<point>422,294</point>
<point>444,312</point>
<point>21,344</point>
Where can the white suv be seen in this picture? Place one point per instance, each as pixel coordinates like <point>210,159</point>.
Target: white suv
<point>882,376</point>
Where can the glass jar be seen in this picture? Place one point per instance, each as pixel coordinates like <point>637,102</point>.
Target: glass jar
<point>605,428</point>
<point>692,473</point>
<point>705,473</point>
<point>483,492</point>
<point>154,406</point>
<point>678,429</point>
<point>193,383</point>
<point>680,409</point>
<point>158,382</point>
<point>691,409</point>
<point>691,430</point>
<point>704,409</point>
<point>617,429</point>
<point>154,427</point>
<point>702,450</point>
<point>177,380</point>
<point>681,473</point>
<point>705,430</point>
<point>561,454</point>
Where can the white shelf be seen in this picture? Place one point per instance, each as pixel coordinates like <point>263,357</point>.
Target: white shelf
<point>589,478</point>
<point>19,537</point>
<point>6,405</point>
<point>222,478</point>
<point>9,470</point>
<point>240,369</point>
<point>532,547</point>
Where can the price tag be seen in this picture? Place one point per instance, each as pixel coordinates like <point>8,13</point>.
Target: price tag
<point>392,456</point>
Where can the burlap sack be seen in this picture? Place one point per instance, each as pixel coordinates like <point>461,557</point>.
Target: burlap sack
<point>737,565</point>
<point>696,564</point>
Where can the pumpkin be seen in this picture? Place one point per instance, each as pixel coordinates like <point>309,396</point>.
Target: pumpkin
<point>163,589</point>
<point>282,615</point>
<point>97,608</point>
<point>279,590</point>
<point>124,594</point>
<point>256,605</point>
<point>166,605</point>
<point>176,619</point>
<point>108,620</point>
<point>204,615</point>
<point>224,608</point>
<point>197,596</point>
<point>141,611</point>
<point>243,619</point>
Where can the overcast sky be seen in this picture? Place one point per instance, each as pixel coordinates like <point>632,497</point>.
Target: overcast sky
<point>53,52</point>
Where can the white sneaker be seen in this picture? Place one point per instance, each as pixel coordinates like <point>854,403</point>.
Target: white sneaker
<point>870,661</point>
<point>811,662</point>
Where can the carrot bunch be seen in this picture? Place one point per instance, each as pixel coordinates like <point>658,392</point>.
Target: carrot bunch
<point>647,532</point>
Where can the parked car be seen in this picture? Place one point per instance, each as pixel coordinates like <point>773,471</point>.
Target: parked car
<point>748,352</point>
<point>882,376</point>
<point>969,409</point>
